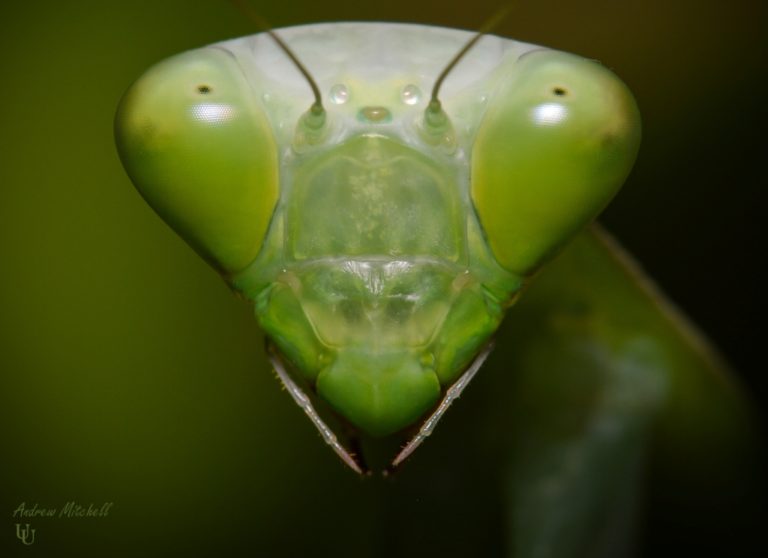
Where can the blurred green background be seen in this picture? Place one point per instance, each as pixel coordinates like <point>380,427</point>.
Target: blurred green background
<point>130,374</point>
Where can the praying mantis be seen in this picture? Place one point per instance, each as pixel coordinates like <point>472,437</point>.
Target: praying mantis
<point>386,236</point>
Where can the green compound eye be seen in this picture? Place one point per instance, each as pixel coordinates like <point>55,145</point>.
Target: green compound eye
<point>558,140</point>
<point>199,149</point>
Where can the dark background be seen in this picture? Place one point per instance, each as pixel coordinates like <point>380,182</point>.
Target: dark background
<point>129,372</point>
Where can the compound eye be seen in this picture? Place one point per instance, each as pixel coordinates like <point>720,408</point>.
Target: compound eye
<point>560,136</point>
<point>198,147</point>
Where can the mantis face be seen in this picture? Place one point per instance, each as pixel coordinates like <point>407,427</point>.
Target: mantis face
<point>382,239</point>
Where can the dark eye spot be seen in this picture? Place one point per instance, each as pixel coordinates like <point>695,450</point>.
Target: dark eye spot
<point>559,91</point>
<point>204,89</point>
<point>607,140</point>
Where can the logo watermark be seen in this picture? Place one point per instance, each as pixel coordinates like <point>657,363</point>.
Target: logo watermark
<point>25,535</point>
<point>70,510</point>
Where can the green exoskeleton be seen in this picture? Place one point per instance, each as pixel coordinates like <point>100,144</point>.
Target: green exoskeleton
<point>383,235</point>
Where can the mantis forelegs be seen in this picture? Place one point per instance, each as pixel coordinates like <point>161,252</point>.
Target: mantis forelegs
<point>451,395</point>
<point>304,402</point>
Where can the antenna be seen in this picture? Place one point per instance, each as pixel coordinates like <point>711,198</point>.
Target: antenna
<point>317,109</point>
<point>434,103</point>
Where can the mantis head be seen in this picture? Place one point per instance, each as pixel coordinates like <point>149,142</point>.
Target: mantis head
<point>382,236</point>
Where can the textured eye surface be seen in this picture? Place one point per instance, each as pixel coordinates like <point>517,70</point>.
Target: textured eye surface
<point>558,140</point>
<point>198,147</point>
